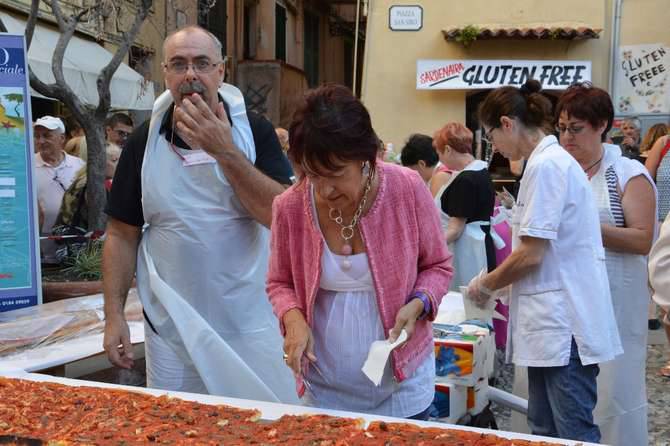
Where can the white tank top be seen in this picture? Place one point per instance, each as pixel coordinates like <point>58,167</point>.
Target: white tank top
<point>346,322</point>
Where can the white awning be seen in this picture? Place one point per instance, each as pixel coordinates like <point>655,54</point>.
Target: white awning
<point>82,64</point>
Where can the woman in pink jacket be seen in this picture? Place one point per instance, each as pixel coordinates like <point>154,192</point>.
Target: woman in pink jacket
<point>356,256</point>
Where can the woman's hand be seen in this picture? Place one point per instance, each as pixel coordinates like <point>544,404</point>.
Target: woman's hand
<point>477,292</point>
<point>298,340</point>
<point>406,319</point>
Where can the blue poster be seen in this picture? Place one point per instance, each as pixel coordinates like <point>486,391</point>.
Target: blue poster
<point>20,277</point>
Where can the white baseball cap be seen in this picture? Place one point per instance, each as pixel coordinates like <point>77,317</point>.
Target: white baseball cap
<point>51,123</point>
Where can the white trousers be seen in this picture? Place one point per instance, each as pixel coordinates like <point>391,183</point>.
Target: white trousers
<point>165,370</point>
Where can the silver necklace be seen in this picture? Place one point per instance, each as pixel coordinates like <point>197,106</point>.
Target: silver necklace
<point>347,231</point>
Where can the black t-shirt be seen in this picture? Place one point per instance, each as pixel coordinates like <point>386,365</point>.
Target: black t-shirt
<point>471,196</point>
<point>125,198</point>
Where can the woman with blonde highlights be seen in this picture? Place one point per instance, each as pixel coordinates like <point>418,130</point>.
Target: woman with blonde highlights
<point>466,202</point>
<point>654,133</point>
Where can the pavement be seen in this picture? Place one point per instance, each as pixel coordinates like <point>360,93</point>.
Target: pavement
<point>658,391</point>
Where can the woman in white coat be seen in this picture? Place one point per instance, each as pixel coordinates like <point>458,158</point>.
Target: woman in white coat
<point>561,321</point>
<point>626,198</point>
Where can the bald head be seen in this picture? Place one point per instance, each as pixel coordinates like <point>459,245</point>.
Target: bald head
<point>193,65</point>
<point>216,43</point>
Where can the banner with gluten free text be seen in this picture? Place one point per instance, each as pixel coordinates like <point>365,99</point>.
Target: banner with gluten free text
<point>642,79</point>
<point>485,74</point>
<point>20,278</point>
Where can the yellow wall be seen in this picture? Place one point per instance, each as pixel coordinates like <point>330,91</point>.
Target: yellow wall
<point>645,21</point>
<point>389,78</point>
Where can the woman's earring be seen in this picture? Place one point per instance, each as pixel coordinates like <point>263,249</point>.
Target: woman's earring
<point>366,168</point>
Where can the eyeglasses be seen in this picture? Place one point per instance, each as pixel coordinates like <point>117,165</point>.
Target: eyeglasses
<point>122,134</point>
<point>573,130</point>
<point>487,137</point>
<point>201,66</point>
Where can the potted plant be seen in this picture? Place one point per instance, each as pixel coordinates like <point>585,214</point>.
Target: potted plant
<point>79,275</point>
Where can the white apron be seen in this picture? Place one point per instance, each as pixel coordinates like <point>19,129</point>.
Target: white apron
<point>201,268</point>
<point>621,412</point>
<point>469,250</point>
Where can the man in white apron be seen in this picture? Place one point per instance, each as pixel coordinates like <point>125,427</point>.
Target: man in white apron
<point>201,177</point>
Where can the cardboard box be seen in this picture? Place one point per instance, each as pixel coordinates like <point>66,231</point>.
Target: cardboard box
<point>450,403</point>
<point>460,359</point>
<point>478,397</point>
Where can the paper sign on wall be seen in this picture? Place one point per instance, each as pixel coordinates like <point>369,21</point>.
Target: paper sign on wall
<point>405,17</point>
<point>642,79</point>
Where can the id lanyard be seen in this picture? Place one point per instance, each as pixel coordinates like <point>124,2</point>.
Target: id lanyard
<point>194,157</point>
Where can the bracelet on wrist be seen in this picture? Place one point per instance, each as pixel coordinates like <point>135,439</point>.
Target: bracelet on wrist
<point>425,299</point>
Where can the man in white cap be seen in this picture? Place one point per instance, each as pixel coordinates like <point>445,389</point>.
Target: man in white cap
<point>54,170</point>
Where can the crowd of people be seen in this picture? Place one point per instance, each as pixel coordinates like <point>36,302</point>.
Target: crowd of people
<point>61,177</point>
<point>268,261</point>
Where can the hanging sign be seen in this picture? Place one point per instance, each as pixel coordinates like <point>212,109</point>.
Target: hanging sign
<point>405,17</point>
<point>484,74</point>
<point>642,79</point>
<point>20,284</point>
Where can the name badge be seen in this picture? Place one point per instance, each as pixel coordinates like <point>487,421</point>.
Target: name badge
<point>197,157</point>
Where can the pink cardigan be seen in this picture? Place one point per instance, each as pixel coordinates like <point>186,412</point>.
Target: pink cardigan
<point>405,247</point>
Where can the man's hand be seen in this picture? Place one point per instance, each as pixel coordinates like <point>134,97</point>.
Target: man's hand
<point>203,128</point>
<point>298,340</point>
<point>117,342</point>
<point>406,319</point>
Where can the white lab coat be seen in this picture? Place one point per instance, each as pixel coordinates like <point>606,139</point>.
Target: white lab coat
<point>567,295</point>
<point>201,268</point>
<point>556,202</point>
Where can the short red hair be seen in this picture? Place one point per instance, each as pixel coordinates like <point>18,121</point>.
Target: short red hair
<point>455,135</point>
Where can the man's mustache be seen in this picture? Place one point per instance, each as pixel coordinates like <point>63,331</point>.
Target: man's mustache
<point>192,87</point>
